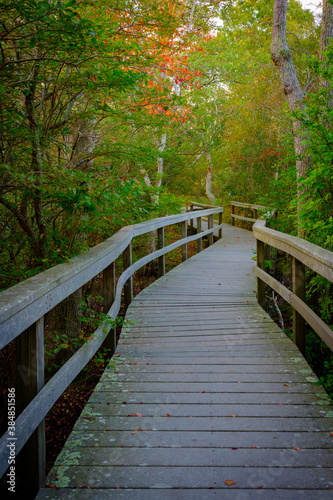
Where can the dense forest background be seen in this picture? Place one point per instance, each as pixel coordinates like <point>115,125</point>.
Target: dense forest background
<point>115,112</point>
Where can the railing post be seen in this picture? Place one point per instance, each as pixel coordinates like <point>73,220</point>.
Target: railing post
<point>184,235</point>
<point>255,213</point>
<point>210,226</point>
<point>261,265</point>
<point>128,287</point>
<point>298,277</point>
<point>191,221</point>
<point>220,222</point>
<point>109,293</point>
<point>199,240</point>
<point>31,460</point>
<point>161,260</point>
<point>232,213</point>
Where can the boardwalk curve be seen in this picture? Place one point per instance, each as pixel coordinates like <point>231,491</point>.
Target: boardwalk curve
<point>209,398</point>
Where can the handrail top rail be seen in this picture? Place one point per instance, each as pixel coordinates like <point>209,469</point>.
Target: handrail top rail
<point>248,205</point>
<point>316,258</point>
<point>204,205</point>
<point>20,296</point>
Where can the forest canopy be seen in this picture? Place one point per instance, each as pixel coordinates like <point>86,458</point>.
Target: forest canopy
<point>116,112</point>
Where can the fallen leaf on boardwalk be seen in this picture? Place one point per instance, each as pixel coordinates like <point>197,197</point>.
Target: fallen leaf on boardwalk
<point>296,448</point>
<point>202,392</point>
<point>228,482</point>
<point>136,430</point>
<point>233,415</point>
<point>138,415</point>
<point>287,385</point>
<point>246,302</point>
<point>254,447</point>
<point>168,415</point>
<point>234,448</point>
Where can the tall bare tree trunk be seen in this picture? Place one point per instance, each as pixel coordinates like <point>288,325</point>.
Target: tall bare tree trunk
<point>282,58</point>
<point>158,183</point>
<point>209,178</point>
<point>326,36</point>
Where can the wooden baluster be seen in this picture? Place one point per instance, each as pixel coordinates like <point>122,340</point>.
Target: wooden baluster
<point>128,287</point>
<point>298,277</point>
<point>261,264</point>
<point>161,260</point>
<point>232,213</point>
<point>109,294</point>
<point>31,460</point>
<point>199,231</point>
<point>184,235</point>
<point>210,226</point>
<point>191,221</point>
<point>220,222</point>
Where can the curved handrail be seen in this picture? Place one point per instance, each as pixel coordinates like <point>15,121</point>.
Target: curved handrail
<point>316,258</point>
<point>304,253</point>
<point>22,304</point>
<point>25,303</point>
<point>253,207</point>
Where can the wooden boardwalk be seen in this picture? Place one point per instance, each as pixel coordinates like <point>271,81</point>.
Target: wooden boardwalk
<point>209,398</point>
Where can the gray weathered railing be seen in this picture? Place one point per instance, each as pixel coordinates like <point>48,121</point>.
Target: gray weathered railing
<point>252,207</point>
<point>303,254</point>
<point>22,311</point>
<point>193,207</point>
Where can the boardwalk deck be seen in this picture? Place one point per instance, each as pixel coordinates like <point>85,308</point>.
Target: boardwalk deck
<point>206,390</point>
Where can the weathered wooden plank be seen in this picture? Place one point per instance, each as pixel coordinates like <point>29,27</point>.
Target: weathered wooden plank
<point>180,494</point>
<point>227,424</point>
<point>201,439</point>
<point>93,410</point>
<point>207,398</point>
<point>166,457</point>
<point>207,387</point>
<point>195,477</point>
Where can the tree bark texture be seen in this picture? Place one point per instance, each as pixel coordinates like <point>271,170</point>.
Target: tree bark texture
<point>326,36</point>
<point>209,178</point>
<point>282,59</point>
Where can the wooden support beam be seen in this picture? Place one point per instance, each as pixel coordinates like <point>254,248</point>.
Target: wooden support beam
<point>261,264</point>
<point>128,287</point>
<point>199,231</point>
<point>232,213</point>
<point>160,244</point>
<point>184,235</point>
<point>31,461</point>
<point>191,221</point>
<point>109,294</point>
<point>298,280</point>
<point>220,222</point>
<point>210,226</point>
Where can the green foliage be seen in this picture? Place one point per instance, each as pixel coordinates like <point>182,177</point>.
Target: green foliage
<point>316,215</point>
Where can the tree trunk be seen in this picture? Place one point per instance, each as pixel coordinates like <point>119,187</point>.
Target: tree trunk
<point>326,36</point>
<point>326,25</point>
<point>209,178</point>
<point>155,197</point>
<point>282,58</point>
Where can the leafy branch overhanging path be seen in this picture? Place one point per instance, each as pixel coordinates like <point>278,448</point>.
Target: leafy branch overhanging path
<point>208,394</point>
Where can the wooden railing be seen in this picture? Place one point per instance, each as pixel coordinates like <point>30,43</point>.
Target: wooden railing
<point>22,311</point>
<point>303,254</point>
<point>254,209</point>
<point>193,207</point>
